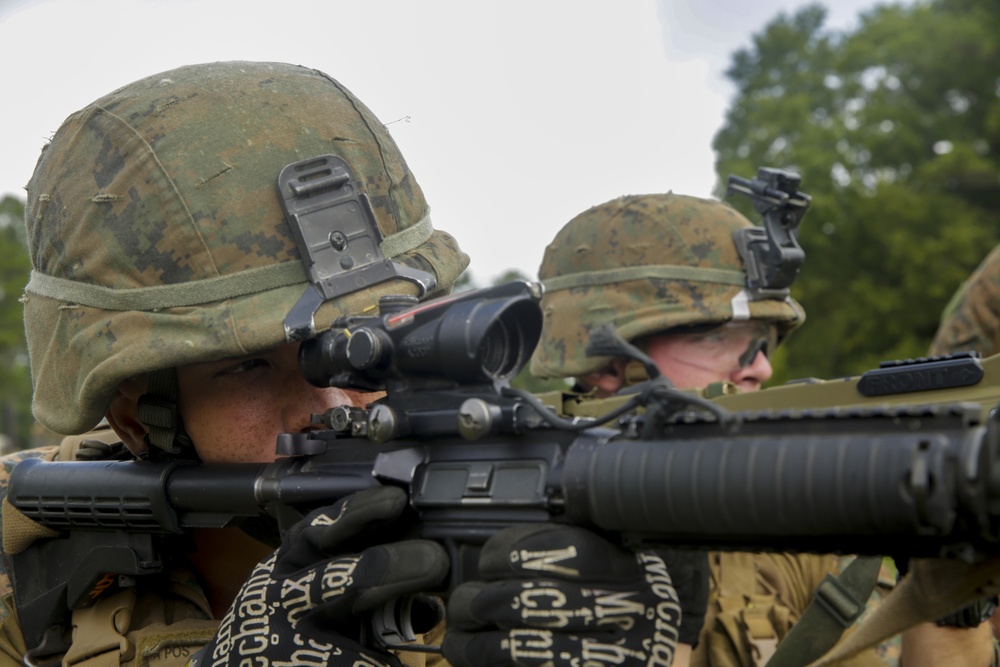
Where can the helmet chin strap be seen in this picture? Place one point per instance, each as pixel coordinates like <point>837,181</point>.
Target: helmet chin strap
<point>158,412</point>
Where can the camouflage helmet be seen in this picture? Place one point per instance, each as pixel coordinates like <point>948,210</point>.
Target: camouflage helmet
<point>158,238</point>
<point>645,263</point>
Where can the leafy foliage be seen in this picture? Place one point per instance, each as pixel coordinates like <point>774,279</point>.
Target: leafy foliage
<point>15,380</point>
<point>894,128</point>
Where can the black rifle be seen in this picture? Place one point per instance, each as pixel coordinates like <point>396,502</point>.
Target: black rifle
<point>476,456</point>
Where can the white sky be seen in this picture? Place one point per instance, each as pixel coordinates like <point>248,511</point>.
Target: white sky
<point>514,115</point>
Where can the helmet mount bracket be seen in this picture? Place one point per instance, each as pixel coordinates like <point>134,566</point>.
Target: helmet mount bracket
<point>771,255</point>
<point>338,237</point>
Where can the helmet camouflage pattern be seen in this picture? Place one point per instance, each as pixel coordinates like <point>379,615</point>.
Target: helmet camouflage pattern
<point>645,263</point>
<point>971,321</point>
<point>158,238</point>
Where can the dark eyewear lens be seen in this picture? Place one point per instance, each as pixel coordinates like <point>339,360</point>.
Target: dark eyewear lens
<point>765,342</point>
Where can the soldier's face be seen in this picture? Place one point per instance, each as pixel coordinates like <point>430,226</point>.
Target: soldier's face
<point>736,352</point>
<point>234,409</point>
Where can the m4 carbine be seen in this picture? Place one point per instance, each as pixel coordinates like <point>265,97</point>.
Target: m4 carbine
<point>913,473</point>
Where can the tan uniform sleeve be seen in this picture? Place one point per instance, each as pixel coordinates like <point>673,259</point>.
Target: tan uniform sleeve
<point>12,648</point>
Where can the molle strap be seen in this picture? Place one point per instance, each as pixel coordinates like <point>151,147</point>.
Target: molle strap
<point>158,410</point>
<point>99,632</point>
<point>758,628</point>
<point>745,626</point>
<point>736,574</point>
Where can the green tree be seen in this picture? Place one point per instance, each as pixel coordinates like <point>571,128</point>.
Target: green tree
<point>15,380</point>
<point>894,128</point>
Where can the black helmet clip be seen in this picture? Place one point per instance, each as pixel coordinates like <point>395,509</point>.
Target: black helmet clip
<point>772,255</point>
<point>338,237</point>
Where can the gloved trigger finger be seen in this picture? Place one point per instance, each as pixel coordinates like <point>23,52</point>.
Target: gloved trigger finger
<point>398,569</point>
<point>331,528</point>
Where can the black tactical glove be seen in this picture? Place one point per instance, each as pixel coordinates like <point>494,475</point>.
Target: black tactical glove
<point>304,604</point>
<point>562,596</point>
<point>689,572</point>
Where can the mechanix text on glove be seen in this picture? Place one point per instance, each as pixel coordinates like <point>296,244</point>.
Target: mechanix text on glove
<point>305,604</point>
<point>563,596</point>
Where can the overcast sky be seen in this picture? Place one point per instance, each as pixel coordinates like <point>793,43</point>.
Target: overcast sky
<point>514,115</point>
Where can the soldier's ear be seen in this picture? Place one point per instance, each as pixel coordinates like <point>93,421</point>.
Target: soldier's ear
<point>123,415</point>
<point>609,380</point>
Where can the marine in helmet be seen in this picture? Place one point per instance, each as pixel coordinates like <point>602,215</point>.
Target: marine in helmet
<point>181,243</point>
<point>652,265</point>
<point>666,272</point>
<point>173,276</point>
<point>669,273</point>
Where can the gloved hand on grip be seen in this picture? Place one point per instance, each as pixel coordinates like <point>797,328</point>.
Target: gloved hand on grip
<point>563,596</point>
<point>689,571</point>
<point>305,603</point>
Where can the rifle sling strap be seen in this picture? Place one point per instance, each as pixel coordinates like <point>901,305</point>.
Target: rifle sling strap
<point>837,603</point>
<point>932,588</point>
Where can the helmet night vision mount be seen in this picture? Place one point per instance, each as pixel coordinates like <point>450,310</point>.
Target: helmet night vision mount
<point>338,236</point>
<point>771,254</point>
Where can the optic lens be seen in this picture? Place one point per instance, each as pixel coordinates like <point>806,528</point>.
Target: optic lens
<point>495,351</point>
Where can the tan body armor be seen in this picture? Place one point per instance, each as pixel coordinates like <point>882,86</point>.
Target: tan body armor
<point>742,628</point>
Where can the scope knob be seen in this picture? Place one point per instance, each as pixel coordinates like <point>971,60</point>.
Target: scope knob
<point>382,425</point>
<point>364,349</point>
<point>477,418</point>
